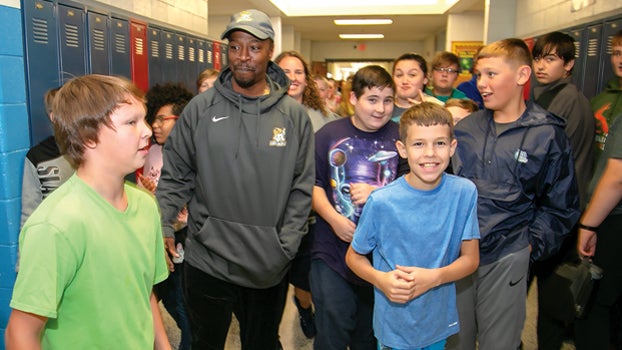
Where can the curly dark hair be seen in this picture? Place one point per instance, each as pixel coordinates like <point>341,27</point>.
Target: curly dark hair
<point>166,94</point>
<point>311,95</point>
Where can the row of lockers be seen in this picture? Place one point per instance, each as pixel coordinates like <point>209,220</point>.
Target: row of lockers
<point>592,67</point>
<point>64,39</point>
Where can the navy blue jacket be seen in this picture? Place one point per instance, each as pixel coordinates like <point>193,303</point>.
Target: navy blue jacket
<point>527,191</point>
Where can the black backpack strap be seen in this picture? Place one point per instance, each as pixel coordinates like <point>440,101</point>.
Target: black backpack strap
<point>547,97</point>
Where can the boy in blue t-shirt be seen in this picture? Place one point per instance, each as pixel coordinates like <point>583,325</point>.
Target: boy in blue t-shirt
<point>416,254</point>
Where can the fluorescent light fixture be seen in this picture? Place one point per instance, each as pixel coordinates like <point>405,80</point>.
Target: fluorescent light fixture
<point>362,22</point>
<point>298,8</point>
<point>361,36</point>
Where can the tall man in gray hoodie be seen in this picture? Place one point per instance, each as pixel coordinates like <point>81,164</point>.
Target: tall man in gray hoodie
<point>241,157</point>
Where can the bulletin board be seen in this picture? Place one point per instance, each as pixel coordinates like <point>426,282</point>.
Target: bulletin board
<point>465,51</point>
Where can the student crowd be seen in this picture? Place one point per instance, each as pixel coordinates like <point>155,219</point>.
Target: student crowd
<point>407,213</point>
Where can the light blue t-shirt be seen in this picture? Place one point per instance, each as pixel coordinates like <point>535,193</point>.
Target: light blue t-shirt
<point>409,227</point>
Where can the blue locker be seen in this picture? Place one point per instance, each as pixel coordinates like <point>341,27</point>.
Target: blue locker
<point>191,64</point>
<point>209,54</point>
<point>609,29</point>
<point>120,47</point>
<point>580,41</point>
<point>592,60</point>
<point>181,54</point>
<point>71,27</point>
<point>155,55</point>
<point>99,42</point>
<point>42,63</point>
<point>223,51</point>
<point>169,59</point>
<point>201,57</point>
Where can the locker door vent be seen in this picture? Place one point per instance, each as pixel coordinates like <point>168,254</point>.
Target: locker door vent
<point>191,54</point>
<point>72,38</point>
<point>155,48</point>
<point>140,48</point>
<point>99,40</point>
<point>168,51</point>
<point>180,52</point>
<point>40,30</point>
<point>119,43</point>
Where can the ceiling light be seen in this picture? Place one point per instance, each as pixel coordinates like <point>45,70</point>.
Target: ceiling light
<point>363,22</point>
<point>361,36</point>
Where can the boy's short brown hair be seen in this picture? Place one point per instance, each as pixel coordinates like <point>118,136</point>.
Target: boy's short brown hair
<point>426,114</point>
<point>370,77</point>
<point>512,50</point>
<point>445,58</point>
<point>83,105</point>
<point>48,98</point>
<point>616,40</point>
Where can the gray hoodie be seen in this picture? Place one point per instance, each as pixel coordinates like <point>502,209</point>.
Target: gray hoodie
<point>245,167</point>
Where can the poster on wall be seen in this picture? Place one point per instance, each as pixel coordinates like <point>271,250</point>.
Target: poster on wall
<point>465,50</point>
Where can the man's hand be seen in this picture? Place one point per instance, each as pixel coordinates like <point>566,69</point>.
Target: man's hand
<point>171,250</point>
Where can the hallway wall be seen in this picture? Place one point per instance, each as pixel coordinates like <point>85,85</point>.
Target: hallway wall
<point>14,143</point>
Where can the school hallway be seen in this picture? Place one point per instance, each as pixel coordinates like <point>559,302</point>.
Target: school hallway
<point>293,339</point>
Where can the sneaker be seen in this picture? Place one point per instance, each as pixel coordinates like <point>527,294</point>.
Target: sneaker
<point>307,320</point>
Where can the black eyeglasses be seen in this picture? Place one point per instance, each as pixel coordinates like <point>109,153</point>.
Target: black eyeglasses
<point>445,70</point>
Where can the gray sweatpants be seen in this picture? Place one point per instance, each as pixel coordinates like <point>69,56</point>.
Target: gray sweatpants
<point>492,305</point>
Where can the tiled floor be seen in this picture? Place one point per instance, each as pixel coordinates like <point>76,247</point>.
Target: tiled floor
<point>293,339</point>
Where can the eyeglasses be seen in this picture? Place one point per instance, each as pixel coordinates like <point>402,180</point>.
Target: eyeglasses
<point>161,118</point>
<point>445,70</point>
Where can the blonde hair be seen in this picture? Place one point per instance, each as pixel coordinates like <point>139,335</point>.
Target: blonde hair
<point>83,105</point>
<point>465,103</point>
<point>206,74</point>
<point>512,50</point>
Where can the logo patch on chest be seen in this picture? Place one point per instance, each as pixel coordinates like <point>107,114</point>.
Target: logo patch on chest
<point>278,138</point>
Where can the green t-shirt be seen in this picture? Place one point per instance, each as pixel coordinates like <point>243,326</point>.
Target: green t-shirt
<point>612,149</point>
<point>90,268</point>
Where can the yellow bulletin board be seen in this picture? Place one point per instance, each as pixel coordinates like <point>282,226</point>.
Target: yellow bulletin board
<point>465,51</point>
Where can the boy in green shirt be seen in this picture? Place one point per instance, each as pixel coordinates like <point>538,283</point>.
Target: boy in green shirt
<point>92,251</point>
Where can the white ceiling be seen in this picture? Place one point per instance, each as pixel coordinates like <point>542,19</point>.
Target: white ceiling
<point>404,27</point>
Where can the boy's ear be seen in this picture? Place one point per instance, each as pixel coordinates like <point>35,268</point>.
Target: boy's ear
<point>353,98</point>
<point>568,66</point>
<point>523,74</point>
<point>401,149</point>
<point>452,147</point>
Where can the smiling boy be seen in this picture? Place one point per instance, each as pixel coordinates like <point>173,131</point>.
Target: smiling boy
<point>416,258</point>
<point>353,156</point>
<point>520,159</point>
<point>92,251</point>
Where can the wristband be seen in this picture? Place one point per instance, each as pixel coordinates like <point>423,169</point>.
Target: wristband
<point>589,228</point>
